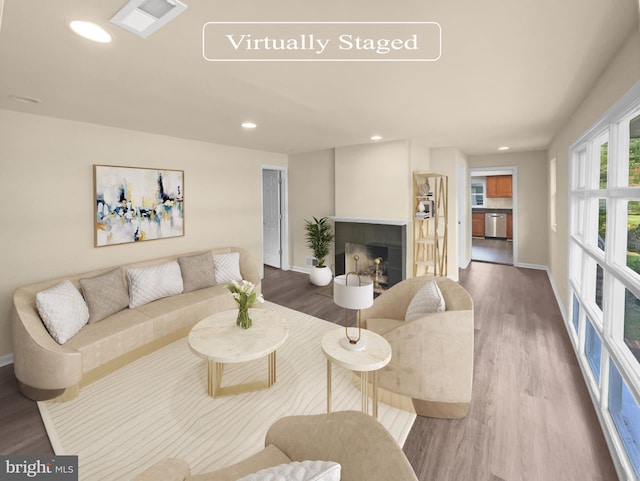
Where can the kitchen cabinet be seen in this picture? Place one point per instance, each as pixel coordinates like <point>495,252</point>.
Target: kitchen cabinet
<point>509,226</point>
<point>499,186</point>
<point>430,230</point>
<point>477,225</point>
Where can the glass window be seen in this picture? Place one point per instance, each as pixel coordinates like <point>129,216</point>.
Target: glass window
<point>599,285</point>
<point>633,236</point>
<point>602,223</point>
<point>626,415</point>
<point>592,349</point>
<point>634,151</point>
<point>576,312</point>
<point>477,193</point>
<point>604,155</point>
<point>632,323</point>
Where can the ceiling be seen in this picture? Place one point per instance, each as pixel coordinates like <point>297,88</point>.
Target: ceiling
<point>511,72</point>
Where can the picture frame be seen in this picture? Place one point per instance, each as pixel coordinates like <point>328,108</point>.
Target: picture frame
<point>136,204</point>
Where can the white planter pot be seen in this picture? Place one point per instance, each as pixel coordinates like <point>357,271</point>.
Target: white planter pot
<point>320,276</point>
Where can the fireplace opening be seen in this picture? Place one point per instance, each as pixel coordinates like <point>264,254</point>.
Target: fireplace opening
<point>379,248</point>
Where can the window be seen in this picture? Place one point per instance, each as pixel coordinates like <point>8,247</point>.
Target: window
<point>626,416</point>
<point>478,189</point>
<point>592,349</point>
<point>604,272</point>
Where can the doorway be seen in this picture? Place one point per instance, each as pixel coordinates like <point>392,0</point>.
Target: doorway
<point>494,201</point>
<point>275,249</point>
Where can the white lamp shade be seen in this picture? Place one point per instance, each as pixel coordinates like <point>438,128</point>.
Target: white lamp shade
<point>358,294</point>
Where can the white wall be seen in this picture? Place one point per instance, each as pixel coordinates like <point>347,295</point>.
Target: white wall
<point>47,183</point>
<point>621,74</point>
<point>311,194</point>
<point>373,180</point>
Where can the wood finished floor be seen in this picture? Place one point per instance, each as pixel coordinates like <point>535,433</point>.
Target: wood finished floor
<point>531,417</point>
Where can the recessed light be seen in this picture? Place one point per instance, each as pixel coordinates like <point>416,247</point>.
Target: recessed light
<point>90,31</point>
<point>25,100</point>
<point>376,137</point>
<point>249,125</point>
<point>504,147</point>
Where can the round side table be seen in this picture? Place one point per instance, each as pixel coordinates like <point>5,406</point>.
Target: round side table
<point>375,355</point>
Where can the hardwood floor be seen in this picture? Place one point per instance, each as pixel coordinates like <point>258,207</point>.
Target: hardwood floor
<point>531,416</point>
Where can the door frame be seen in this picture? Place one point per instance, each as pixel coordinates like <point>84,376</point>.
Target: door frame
<point>284,215</point>
<point>511,170</point>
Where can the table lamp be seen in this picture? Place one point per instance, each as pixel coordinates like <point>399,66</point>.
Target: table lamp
<point>353,291</point>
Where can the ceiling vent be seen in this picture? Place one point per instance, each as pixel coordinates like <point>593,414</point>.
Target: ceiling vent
<point>143,17</point>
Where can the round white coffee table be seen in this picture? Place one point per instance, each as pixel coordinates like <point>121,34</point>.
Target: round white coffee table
<point>375,355</point>
<point>218,340</point>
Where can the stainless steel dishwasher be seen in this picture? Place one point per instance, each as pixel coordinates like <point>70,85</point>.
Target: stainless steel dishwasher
<point>495,225</point>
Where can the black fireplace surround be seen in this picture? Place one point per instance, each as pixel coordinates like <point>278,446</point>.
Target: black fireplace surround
<point>370,241</point>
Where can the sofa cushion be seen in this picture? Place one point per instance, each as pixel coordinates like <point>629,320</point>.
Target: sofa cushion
<point>227,267</point>
<point>298,471</point>
<point>427,300</point>
<point>105,294</point>
<point>113,337</point>
<point>197,271</point>
<point>63,310</point>
<point>147,284</point>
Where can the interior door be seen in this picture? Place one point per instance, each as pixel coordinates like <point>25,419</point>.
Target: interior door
<point>272,218</point>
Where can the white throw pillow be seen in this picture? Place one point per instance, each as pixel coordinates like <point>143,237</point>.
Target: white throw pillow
<point>227,267</point>
<point>63,310</point>
<point>428,299</point>
<point>147,284</point>
<point>298,471</point>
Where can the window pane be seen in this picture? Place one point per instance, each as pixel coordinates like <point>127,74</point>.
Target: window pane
<point>626,415</point>
<point>592,348</point>
<point>632,323</point>
<point>602,223</point>
<point>576,312</point>
<point>604,154</point>
<point>634,151</point>
<point>633,236</point>
<point>599,284</point>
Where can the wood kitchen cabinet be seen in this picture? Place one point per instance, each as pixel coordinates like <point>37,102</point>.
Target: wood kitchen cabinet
<point>477,225</point>
<point>509,226</point>
<point>499,186</point>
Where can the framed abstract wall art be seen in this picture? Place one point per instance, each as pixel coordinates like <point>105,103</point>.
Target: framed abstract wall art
<point>135,204</point>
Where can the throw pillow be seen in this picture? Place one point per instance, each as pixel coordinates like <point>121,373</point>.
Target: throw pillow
<point>227,267</point>
<point>105,294</point>
<point>197,271</point>
<point>63,311</point>
<point>298,471</point>
<point>428,299</point>
<point>147,284</point>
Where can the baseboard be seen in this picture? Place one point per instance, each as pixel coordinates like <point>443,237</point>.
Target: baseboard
<point>531,266</point>
<point>6,360</point>
<point>303,270</point>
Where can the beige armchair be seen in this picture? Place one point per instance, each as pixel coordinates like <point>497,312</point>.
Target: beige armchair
<point>432,356</point>
<point>360,444</point>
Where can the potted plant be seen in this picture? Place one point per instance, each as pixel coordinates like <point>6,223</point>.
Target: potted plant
<point>319,239</point>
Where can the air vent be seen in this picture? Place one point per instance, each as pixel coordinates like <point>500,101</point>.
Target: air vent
<point>143,17</point>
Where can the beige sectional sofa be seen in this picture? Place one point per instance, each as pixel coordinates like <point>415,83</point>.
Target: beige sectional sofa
<point>432,361</point>
<point>46,369</point>
<point>357,442</point>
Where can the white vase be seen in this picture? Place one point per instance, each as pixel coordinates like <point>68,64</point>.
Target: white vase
<point>320,276</point>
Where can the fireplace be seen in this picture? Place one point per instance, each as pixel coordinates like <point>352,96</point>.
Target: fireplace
<point>380,248</point>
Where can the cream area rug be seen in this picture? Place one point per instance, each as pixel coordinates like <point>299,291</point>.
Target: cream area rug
<point>158,407</point>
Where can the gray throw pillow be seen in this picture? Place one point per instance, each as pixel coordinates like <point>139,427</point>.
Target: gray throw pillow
<point>105,294</point>
<point>197,271</point>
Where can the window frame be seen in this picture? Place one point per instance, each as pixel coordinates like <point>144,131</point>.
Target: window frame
<point>585,195</point>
